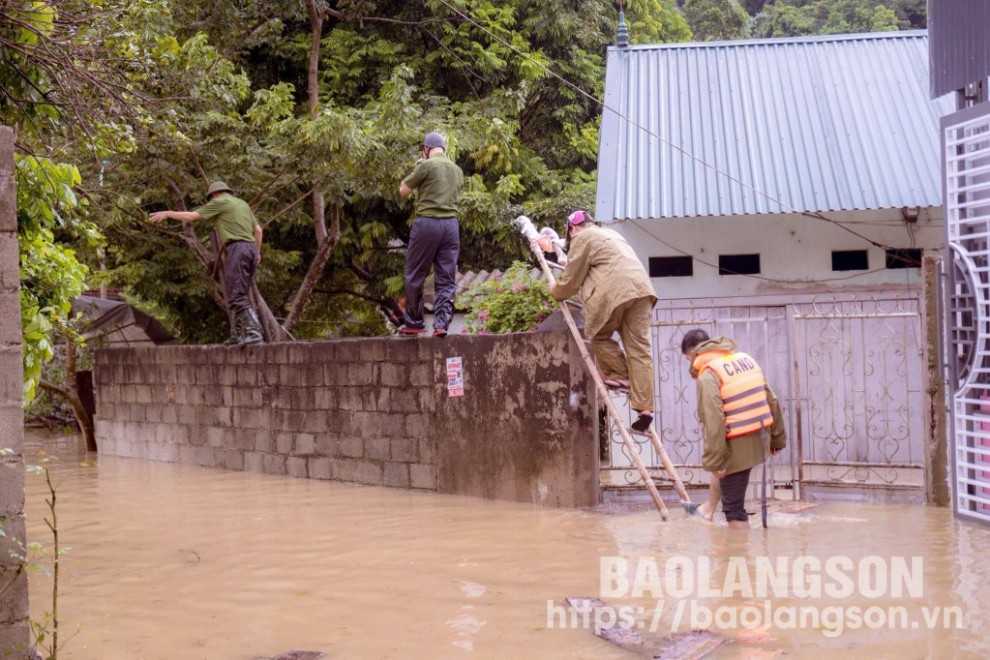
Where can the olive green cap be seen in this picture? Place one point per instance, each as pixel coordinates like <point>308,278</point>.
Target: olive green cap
<point>218,186</point>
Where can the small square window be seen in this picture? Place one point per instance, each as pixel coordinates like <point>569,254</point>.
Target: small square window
<point>738,264</point>
<point>850,260</point>
<point>904,258</point>
<point>671,266</point>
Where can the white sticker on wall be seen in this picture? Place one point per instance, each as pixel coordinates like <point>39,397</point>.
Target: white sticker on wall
<point>455,377</point>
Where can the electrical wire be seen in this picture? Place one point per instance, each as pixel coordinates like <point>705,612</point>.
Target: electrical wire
<point>816,215</point>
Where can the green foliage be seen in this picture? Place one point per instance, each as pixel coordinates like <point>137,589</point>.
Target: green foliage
<point>514,302</point>
<point>785,18</point>
<point>716,20</point>
<point>51,274</point>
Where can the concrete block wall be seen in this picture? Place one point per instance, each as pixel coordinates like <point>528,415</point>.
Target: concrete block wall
<point>369,411</point>
<point>14,599</point>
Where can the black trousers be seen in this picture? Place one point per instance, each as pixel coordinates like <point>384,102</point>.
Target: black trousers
<point>734,495</point>
<point>433,242</point>
<point>239,263</point>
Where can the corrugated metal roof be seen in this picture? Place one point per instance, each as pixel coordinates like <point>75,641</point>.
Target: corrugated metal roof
<point>820,123</point>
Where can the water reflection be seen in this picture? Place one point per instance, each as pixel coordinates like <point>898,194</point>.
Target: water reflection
<point>172,561</point>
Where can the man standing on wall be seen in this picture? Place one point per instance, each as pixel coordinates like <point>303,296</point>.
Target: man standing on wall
<point>435,237</point>
<point>736,408</point>
<point>618,296</point>
<point>241,234</point>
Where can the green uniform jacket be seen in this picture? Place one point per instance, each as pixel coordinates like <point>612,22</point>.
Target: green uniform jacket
<point>437,182</point>
<point>232,216</point>
<point>720,453</point>
<point>603,266</point>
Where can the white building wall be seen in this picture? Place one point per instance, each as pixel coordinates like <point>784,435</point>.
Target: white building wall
<point>795,251</point>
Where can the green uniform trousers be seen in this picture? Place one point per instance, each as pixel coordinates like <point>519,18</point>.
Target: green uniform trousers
<point>632,321</point>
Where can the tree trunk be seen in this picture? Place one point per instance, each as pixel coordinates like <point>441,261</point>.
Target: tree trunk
<point>316,268</point>
<point>78,409</point>
<point>70,393</point>
<point>270,328</point>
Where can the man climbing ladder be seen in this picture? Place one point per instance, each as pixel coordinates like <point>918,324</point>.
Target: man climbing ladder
<point>529,231</point>
<point>618,297</point>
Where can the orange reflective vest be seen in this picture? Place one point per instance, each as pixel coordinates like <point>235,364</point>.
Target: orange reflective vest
<point>742,388</point>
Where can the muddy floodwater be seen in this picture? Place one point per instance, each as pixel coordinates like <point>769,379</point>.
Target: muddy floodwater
<point>173,561</point>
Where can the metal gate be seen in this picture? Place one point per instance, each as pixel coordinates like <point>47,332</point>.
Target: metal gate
<point>848,370</point>
<point>966,162</point>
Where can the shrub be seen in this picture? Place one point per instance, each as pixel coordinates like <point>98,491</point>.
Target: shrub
<point>512,302</point>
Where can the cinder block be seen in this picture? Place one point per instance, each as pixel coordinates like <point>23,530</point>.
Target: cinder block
<point>341,422</point>
<point>231,460</point>
<point>9,274</point>
<point>8,202</point>
<point>396,475</point>
<point>13,605</point>
<point>377,448</point>
<point>368,472</point>
<point>349,398</point>
<point>315,421</point>
<point>246,439</point>
<point>360,373</point>
<point>11,485</point>
<point>10,317</point>
<point>12,383</point>
<point>305,444</point>
<point>274,464</point>
<point>302,398</point>
<point>351,447</point>
<point>12,427</point>
<point>326,445</point>
<point>404,400</point>
<point>423,477</point>
<point>403,351</point>
<point>416,426</point>
<point>394,375</point>
<point>264,441</point>
<point>428,398</point>
<point>254,461</point>
<point>426,450</point>
<point>403,450</point>
<point>369,424</point>
<point>319,467</point>
<point>346,351</point>
<point>372,350</point>
<point>14,638</point>
<point>421,375</point>
<point>324,398</point>
<point>297,467</point>
<point>283,442</point>
<point>13,541</point>
<point>345,469</point>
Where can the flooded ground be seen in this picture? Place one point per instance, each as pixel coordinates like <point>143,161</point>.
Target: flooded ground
<point>172,561</point>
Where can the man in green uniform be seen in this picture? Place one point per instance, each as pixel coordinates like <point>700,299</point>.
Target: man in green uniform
<point>435,237</point>
<point>736,407</point>
<point>618,297</point>
<point>241,234</point>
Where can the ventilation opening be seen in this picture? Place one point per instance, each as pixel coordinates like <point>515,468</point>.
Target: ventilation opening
<point>850,260</point>
<point>904,258</point>
<point>671,266</point>
<point>738,264</point>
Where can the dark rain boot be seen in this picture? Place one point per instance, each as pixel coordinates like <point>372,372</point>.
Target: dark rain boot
<point>236,330</point>
<point>252,329</point>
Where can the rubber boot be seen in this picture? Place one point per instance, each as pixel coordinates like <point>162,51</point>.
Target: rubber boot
<point>236,330</point>
<point>252,329</point>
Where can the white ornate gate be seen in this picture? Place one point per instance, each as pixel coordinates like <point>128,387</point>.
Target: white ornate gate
<point>966,162</point>
<point>847,368</point>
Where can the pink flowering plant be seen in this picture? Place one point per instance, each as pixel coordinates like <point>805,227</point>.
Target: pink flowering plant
<point>516,301</point>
